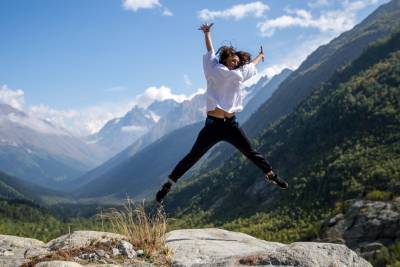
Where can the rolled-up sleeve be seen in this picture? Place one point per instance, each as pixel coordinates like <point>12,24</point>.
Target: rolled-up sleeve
<point>209,62</point>
<point>248,70</point>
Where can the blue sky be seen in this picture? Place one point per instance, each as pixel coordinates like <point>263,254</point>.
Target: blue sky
<point>80,63</point>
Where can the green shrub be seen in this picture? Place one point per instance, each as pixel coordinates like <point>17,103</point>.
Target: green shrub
<point>388,256</point>
<point>378,195</point>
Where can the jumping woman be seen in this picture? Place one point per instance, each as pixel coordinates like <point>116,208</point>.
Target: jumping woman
<point>224,79</point>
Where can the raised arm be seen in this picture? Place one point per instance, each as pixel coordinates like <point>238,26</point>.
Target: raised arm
<point>259,57</point>
<point>207,35</point>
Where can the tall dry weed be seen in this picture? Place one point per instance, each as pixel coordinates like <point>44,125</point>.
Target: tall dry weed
<point>145,230</point>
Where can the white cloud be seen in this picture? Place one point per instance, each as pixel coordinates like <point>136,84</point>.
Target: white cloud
<point>14,98</point>
<point>199,91</point>
<point>34,123</point>
<point>334,21</point>
<point>153,93</point>
<point>167,12</point>
<point>134,5</point>
<point>236,12</point>
<point>162,93</point>
<point>91,119</point>
<point>153,116</point>
<point>273,70</point>
<point>187,79</point>
<point>83,121</point>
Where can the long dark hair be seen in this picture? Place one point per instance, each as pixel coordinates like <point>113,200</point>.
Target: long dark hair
<point>226,51</point>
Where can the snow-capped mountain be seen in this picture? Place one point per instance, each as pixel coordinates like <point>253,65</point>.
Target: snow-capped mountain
<point>251,91</point>
<point>260,92</point>
<point>161,108</point>
<point>36,150</point>
<point>119,133</point>
<point>171,116</point>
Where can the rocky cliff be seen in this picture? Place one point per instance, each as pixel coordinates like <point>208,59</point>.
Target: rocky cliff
<point>364,226</point>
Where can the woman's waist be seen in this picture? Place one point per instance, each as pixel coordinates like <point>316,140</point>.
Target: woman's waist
<point>220,121</point>
<point>220,115</point>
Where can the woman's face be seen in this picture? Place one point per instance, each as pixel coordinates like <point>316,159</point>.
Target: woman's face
<point>232,62</point>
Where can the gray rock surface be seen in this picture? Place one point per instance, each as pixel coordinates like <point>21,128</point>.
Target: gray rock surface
<point>14,249</point>
<point>365,226</point>
<point>126,249</point>
<point>115,252</point>
<point>193,247</point>
<point>217,247</point>
<point>58,264</point>
<point>81,239</point>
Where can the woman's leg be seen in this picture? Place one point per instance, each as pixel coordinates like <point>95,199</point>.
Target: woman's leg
<point>235,135</point>
<point>207,137</point>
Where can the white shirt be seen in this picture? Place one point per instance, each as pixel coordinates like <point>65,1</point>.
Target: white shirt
<point>224,86</point>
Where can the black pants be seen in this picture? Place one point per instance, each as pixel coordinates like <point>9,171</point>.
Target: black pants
<point>215,130</point>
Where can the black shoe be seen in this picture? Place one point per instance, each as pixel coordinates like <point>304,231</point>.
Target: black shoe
<point>163,191</point>
<point>277,180</point>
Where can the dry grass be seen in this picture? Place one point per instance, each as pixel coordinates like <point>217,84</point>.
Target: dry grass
<point>69,254</point>
<point>145,231</point>
<point>250,260</point>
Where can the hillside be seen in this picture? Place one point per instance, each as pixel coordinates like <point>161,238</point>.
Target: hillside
<point>341,143</point>
<point>142,174</point>
<point>317,68</point>
<point>13,188</point>
<point>322,63</point>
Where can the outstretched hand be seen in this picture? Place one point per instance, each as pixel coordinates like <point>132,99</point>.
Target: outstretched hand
<point>205,27</point>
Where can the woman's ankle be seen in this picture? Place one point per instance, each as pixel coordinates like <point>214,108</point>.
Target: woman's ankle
<point>171,181</point>
<point>270,173</point>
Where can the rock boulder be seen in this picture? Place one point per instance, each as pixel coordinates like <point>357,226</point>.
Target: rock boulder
<point>217,247</point>
<point>365,226</point>
<point>193,247</point>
